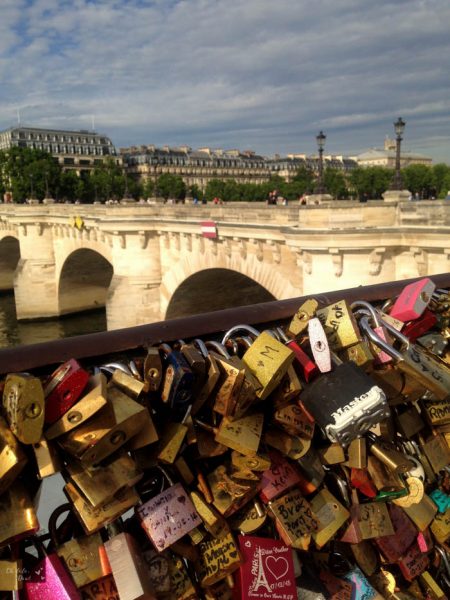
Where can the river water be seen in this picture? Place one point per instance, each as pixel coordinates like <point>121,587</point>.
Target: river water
<point>13,333</point>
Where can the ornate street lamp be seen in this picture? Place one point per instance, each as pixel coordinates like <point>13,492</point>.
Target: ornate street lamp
<point>321,137</point>
<point>397,183</point>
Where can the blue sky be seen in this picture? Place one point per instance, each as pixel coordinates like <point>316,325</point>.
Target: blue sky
<point>265,75</point>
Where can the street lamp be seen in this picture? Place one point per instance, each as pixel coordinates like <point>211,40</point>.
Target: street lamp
<point>320,138</point>
<point>397,183</point>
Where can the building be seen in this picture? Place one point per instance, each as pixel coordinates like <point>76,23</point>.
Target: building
<point>386,157</point>
<point>197,167</point>
<point>79,150</point>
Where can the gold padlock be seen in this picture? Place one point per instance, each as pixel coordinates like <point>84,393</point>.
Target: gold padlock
<point>12,457</point>
<point>219,558</point>
<point>100,484</point>
<point>127,383</point>
<point>24,404</point>
<point>300,320</point>
<point>47,458</point>
<point>17,515</point>
<point>243,434</point>
<point>10,575</point>
<point>84,409</point>
<point>339,324</point>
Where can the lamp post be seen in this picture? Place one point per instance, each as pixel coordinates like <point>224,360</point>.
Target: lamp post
<point>321,137</point>
<point>397,183</point>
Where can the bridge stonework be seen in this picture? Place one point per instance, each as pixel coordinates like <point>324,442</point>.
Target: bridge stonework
<point>132,258</point>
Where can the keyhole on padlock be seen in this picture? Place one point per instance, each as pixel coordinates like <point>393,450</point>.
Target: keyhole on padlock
<point>320,346</point>
<point>424,296</point>
<point>74,417</point>
<point>153,373</point>
<point>117,437</point>
<point>33,410</point>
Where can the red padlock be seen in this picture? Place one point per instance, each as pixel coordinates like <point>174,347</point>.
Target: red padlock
<point>419,327</point>
<point>413,300</point>
<point>63,389</point>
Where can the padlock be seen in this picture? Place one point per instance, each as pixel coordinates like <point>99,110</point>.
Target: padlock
<point>228,494</point>
<point>413,300</point>
<point>232,374</point>
<point>108,430</point>
<point>395,546</point>
<point>194,357</point>
<point>80,555</point>
<point>212,377</point>
<point>168,515</point>
<point>248,519</point>
<point>266,570</point>
<point>279,478</point>
<point>153,370</point>
<point>319,345</point>
<point>292,446</point>
<point>307,367</point>
<point>413,361</point>
<point>128,566</point>
<point>212,520</point>
<point>48,461</point>
<point>23,405</point>
<point>288,390</point>
<point>294,420</point>
<point>436,450</point>
<point>11,575</point>
<point>345,402</point>
<point>63,388</point>
<point>127,383</point>
<point>413,563</point>
<point>12,457</point>
<point>93,519</point>
<point>177,384</point>
<point>300,320</point>
<point>172,438</point>
<point>218,558</point>
<point>388,454</point>
<point>361,307</point>
<point>339,324</point>
<point>437,412</point>
<point>243,435</point>
<point>267,359</point>
<point>419,327</point>
<point>295,519</point>
<point>94,400</point>
<point>48,577</point>
<point>100,484</point>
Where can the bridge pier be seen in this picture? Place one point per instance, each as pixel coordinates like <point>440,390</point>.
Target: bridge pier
<point>35,280</point>
<point>134,292</point>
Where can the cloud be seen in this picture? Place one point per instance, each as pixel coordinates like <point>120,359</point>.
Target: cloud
<point>259,74</point>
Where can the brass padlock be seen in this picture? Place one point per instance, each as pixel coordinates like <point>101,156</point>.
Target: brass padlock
<point>218,558</point>
<point>48,460</point>
<point>230,381</point>
<point>12,457</point>
<point>300,320</point>
<point>84,409</point>
<point>295,519</point>
<point>127,383</point>
<point>17,515</point>
<point>152,370</point>
<point>267,359</point>
<point>107,431</point>
<point>24,406</point>
<point>339,324</point>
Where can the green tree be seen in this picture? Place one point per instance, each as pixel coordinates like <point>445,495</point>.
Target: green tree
<point>195,192</point>
<point>214,189</point>
<point>304,178</point>
<point>71,186</point>
<point>108,181</point>
<point>171,186</point>
<point>419,179</point>
<point>371,182</point>
<point>440,172</point>
<point>335,183</point>
<point>26,171</point>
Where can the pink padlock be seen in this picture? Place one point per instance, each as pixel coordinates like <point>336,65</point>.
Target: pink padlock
<point>279,478</point>
<point>48,579</point>
<point>413,300</point>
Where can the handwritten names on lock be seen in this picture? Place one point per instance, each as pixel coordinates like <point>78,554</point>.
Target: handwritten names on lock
<point>168,516</point>
<point>218,557</point>
<point>440,527</point>
<point>242,434</point>
<point>394,546</point>
<point>294,515</point>
<point>373,520</point>
<point>295,420</point>
<point>437,411</point>
<point>413,563</point>
<point>280,477</point>
<point>339,325</point>
<point>432,374</point>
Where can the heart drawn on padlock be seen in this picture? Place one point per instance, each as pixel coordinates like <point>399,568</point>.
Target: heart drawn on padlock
<point>277,566</point>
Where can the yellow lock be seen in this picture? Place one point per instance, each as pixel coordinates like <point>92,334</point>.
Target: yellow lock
<point>218,558</point>
<point>24,403</point>
<point>268,360</point>
<point>300,320</point>
<point>12,457</point>
<point>340,325</point>
<point>243,435</point>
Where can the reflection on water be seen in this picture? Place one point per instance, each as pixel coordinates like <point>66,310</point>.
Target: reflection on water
<point>13,333</point>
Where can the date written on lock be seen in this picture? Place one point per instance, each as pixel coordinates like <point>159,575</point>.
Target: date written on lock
<point>168,516</point>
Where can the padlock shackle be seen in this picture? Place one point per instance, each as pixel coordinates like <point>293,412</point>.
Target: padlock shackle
<point>231,332</point>
<point>117,365</point>
<point>375,338</point>
<point>218,347</point>
<point>202,347</point>
<point>368,308</point>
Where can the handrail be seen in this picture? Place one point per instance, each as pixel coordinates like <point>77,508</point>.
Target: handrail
<point>23,358</point>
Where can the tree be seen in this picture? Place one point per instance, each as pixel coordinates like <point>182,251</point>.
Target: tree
<point>335,183</point>
<point>441,171</point>
<point>195,191</point>
<point>71,186</point>
<point>214,189</point>
<point>108,181</point>
<point>171,186</point>
<point>371,182</point>
<point>304,178</point>
<point>419,179</point>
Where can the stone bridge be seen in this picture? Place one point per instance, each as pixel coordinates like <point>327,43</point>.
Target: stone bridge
<point>147,263</point>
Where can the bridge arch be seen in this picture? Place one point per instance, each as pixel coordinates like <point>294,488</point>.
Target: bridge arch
<point>262,273</point>
<point>84,281</point>
<point>9,258</point>
<point>214,289</point>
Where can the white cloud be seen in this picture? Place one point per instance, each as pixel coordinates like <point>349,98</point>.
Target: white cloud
<point>258,74</point>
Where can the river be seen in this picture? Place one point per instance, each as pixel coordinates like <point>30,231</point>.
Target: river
<point>14,333</point>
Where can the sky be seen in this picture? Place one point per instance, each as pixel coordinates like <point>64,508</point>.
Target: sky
<point>265,75</point>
